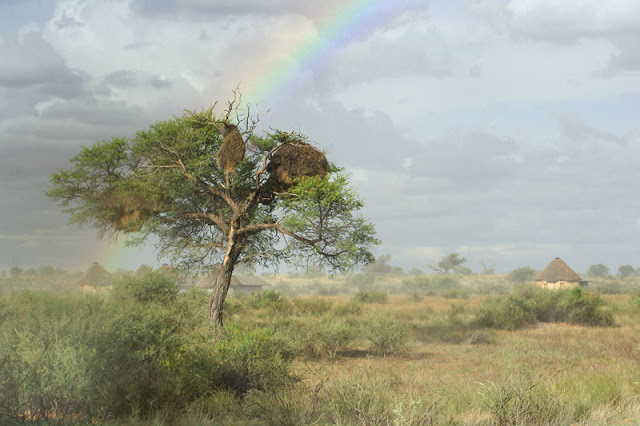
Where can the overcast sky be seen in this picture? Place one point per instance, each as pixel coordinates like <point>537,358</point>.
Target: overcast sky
<point>505,130</point>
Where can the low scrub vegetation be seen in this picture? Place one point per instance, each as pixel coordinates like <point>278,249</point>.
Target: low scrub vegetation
<point>143,354</point>
<point>528,305</point>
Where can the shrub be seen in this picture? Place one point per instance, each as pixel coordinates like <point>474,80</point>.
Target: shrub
<point>528,304</point>
<point>150,286</point>
<point>385,335</point>
<point>504,314</point>
<point>580,307</point>
<point>455,293</point>
<point>313,306</point>
<point>347,309</point>
<point>370,296</point>
<point>521,275</point>
<point>250,359</point>
<point>264,298</point>
<point>327,336</point>
<point>634,301</point>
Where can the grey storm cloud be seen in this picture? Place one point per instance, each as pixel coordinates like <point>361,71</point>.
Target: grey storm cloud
<point>30,62</point>
<point>566,22</point>
<point>133,78</point>
<point>207,8</point>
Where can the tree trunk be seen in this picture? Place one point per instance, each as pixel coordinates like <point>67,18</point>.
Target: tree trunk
<point>221,287</point>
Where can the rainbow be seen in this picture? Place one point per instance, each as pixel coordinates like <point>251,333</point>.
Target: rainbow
<point>346,23</point>
<point>338,26</point>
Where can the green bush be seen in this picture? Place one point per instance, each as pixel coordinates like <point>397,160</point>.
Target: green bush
<point>264,298</point>
<point>385,335</point>
<point>256,358</point>
<point>313,306</point>
<point>90,358</point>
<point>504,314</point>
<point>634,301</point>
<point>347,309</point>
<point>577,306</point>
<point>150,286</point>
<point>370,296</point>
<point>529,304</point>
<point>325,336</point>
<point>455,293</point>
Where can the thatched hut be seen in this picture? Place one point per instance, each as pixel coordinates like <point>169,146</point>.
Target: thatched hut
<point>237,286</point>
<point>558,276</point>
<point>94,277</point>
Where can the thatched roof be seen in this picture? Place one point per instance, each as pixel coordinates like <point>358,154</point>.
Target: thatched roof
<point>556,271</point>
<point>252,280</point>
<point>209,279</point>
<point>95,276</point>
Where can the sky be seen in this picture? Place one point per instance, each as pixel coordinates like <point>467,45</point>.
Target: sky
<point>504,130</point>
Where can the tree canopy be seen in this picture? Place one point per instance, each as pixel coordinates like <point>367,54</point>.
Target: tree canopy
<point>167,182</point>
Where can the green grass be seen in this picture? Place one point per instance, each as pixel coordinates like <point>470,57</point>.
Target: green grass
<point>144,355</point>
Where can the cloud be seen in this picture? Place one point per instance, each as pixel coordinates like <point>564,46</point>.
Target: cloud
<point>31,62</point>
<point>617,22</point>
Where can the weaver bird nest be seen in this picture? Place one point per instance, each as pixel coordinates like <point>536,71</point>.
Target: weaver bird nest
<point>295,160</point>
<point>127,212</point>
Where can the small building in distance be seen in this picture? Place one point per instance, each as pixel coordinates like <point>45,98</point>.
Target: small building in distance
<point>558,276</point>
<point>95,277</point>
<point>244,285</point>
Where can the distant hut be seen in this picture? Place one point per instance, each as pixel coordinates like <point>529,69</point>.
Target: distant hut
<point>558,276</point>
<point>94,277</point>
<point>237,287</point>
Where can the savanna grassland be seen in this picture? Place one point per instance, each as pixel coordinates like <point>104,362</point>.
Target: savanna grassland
<point>361,349</point>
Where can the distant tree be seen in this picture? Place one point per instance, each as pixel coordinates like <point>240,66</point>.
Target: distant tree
<point>16,271</point>
<point>521,275</point>
<point>462,270</point>
<point>487,268</point>
<point>448,263</point>
<point>416,271</point>
<point>625,271</point>
<point>382,266</point>
<point>598,270</point>
<point>46,270</point>
<point>206,203</point>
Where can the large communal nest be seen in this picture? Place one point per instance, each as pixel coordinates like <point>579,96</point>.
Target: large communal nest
<point>294,160</point>
<point>126,212</point>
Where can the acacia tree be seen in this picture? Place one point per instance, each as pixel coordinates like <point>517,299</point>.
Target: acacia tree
<point>448,263</point>
<point>165,183</point>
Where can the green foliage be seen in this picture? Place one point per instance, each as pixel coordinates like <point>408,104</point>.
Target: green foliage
<point>382,266</point>
<point>370,296</point>
<point>625,271</point>
<point>385,335</point>
<point>265,298</point>
<point>634,301</point>
<point>150,286</point>
<point>598,270</point>
<point>322,209</point>
<point>450,262</point>
<point>520,400</point>
<point>324,336</point>
<point>314,306</point>
<point>528,304</point>
<point>521,275</point>
<point>256,358</point>
<point>90,358</point>
<point>504,314</point>
<point>16,271</point>
<point>352,308</point>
